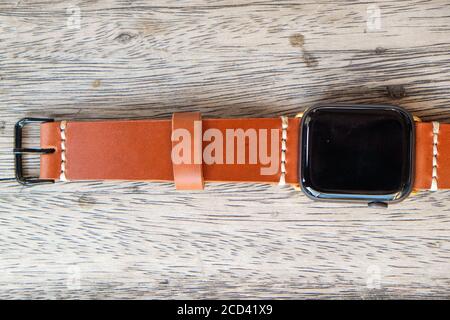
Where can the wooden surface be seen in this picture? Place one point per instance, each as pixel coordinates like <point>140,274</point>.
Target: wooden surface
<point>136,59</point>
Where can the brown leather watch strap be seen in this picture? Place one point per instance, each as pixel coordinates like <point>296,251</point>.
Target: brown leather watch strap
<point>432,156</point>
<point>141,150</point>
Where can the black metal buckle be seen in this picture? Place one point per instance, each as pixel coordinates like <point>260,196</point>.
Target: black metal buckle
<point>18,151</point>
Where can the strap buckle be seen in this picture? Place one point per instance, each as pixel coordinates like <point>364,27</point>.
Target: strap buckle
<point>18,151</point>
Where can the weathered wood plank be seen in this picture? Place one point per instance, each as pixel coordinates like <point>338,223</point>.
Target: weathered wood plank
<point>139,59</point>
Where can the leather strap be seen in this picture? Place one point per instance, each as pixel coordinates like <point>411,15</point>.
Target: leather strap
<point>141,150</point>
<point>187,129</point>
<point>432,156</point>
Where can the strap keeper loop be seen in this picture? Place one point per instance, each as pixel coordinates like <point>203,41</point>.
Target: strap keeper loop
<point>187,151</point>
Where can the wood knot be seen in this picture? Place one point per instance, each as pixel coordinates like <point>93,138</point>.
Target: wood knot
<point>396,91</point>
<point>309,59</point>
<point>380,50</point>
<point>86,202</point>
<point>96,83</point>
<point>124,38</point>
<point>297,40</point>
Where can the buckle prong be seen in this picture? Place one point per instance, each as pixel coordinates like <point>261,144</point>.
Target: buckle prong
<point>32,150</point>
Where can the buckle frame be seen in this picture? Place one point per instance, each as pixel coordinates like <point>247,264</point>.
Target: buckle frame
<point>19,151</point>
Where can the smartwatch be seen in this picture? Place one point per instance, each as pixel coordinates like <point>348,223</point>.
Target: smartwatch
<point>377,154</point>
<point>357,153</point>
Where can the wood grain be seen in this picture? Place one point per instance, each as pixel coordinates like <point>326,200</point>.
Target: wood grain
<point>137,59</point>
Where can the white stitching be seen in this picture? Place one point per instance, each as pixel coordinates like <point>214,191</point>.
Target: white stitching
<point>62,128</point>
<point>284,126</point>
<point>434,175</point>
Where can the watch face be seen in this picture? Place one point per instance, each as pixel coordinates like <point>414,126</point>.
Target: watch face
<point>357,152</point>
